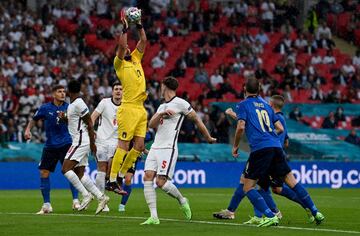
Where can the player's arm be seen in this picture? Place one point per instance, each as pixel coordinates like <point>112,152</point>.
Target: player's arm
<point>240,128</point>
<point>28,129</point>
<point>87,120</point>
<point>231,113</point>
<point>158,116</point>
<point>142,35</point>
<point>286,143</point>
<point>202,128</point>
<point>122,41</point>
<point>94,116</point>
<point>279,127</point>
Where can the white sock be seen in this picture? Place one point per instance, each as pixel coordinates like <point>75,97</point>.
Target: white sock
<point>150,197</point>
<point>90,186</point>
<point>172,191</point>
<point>74,179</point>
<point>100,181</point>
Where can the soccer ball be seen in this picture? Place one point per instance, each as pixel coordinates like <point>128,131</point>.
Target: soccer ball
<point>133,14</point>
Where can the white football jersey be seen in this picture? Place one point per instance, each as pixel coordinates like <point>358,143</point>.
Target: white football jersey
<point>77,129</point>
<point>107,128</point>
<point>169,128</point>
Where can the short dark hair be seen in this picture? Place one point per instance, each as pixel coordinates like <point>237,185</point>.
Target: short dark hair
<point>252,85</point>
<point>171,82</point>
<point>56,87</point>
<point>278,101</point>
<point>74,86</point>
<point>116,83</point>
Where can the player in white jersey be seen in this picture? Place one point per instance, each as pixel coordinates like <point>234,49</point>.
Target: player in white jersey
<point>161,160</point>
<point>106,135</point>
<point>83,141</point>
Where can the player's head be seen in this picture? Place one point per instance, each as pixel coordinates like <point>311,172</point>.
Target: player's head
<point>74,86</point>
<point>277,102</point>
<point>58,93</point>
<point>252,86</point>
<point>169,83</point>
<point>117,90</point>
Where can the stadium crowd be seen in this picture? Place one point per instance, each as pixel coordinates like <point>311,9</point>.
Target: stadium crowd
<point>35,55</point>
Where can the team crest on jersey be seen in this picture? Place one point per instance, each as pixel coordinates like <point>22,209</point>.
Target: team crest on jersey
<point>124,134</point>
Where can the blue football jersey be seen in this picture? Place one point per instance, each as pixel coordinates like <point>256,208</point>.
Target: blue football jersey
<point>284,135</point>
<point>57,134</point>
<point>259,120</point>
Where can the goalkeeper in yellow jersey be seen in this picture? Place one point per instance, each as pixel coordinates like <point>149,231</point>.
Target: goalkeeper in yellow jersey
<point>131,115</point>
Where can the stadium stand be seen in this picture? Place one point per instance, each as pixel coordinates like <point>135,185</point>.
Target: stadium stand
<point>61,42</point>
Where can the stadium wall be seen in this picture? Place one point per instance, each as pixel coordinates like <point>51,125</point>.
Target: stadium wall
<point>25,175</point>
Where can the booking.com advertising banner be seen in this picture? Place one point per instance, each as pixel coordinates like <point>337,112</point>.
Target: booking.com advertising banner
<point>25,175</point>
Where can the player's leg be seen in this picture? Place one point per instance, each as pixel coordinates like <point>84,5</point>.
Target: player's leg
<point>75,194</point>
<point>238,195</point>
<point>132,155</point>
<point>68,171</point>
<point>127,187</point>
<point>125,120</point>
<point>304,196</point>
<point>138,140</point>
<point>149,190</point>
<point>47,164</point>
<point>102,166</point>
<point>257,168</point>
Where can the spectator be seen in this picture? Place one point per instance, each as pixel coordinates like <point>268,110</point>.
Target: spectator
<point>329,58</point>
<point>295,114</point>
<point>158,62</point>
<point>201,76</point>
<point>348,69</point>
<point>316,59</point>
<point>356,59</point>
<point>329,122</point>
<point>190,58</point>
<point>222,127</point>
<point>216,79</point>
<point>229,9</point>
<point>171,20</point>
<point>262,37</point>
<point>287,94</point>
<point>268,9</point>
<point>317,93</point>
<point>301,43</point>
<point>287,28</point>
<point>339,114</point>
<point>353,138</point>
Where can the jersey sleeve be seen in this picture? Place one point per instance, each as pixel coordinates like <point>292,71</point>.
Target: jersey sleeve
<point>186,108</point>
<point>241,112</point>
<point>274,117</point>
<point>82,108</point>
<point>137,55</point>
<point>117,63</point>
<point>100,107</point>
<point>40,113</point>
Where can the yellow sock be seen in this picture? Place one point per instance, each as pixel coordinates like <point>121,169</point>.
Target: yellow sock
<point>129,161</point>
<point>116,163</point>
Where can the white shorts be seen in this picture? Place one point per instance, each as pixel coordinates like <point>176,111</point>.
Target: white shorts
<point>162,161</point>
<point>79,154</point>
<point>104,152</point>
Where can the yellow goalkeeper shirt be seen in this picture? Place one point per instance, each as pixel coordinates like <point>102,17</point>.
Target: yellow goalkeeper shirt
<point>131,76</point>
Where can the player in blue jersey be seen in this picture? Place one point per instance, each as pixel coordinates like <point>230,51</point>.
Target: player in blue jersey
<point>58,141</point>
<point>277,184</point>
<point>257,119</point>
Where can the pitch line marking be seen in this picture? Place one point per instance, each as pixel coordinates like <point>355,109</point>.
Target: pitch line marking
<point>185,221</point>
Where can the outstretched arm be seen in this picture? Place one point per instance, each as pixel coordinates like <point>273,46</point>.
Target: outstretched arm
<point>28,129</point>
<point>142,42</point>
<point>87,120</point>
<point>122,41</point>
<point>202,128</point>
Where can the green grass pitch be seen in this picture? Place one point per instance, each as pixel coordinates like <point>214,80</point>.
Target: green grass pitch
<point>17,208</point>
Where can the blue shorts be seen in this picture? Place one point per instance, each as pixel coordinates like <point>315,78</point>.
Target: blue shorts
<point>51,156</point>
<point>266,162</point>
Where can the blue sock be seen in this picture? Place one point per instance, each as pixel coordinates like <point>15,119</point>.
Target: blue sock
<point>266,194</point>
<point>257,213</point>
<point>304,196</point>
<point>236,198</point>
<point>45,188</point>
<point>125,198</point>
<point>74,192</point>
<point>291,195</point>
<point>259,203</point>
